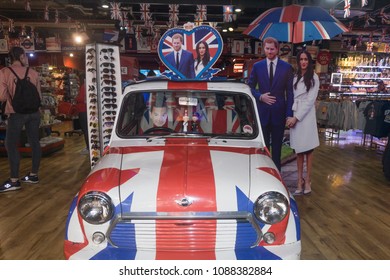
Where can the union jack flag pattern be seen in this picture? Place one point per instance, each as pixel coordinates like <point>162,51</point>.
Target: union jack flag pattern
<point>150,178</point>
<point>190,41</point>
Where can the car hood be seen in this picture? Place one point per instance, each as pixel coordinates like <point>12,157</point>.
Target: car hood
<point>187,175</point>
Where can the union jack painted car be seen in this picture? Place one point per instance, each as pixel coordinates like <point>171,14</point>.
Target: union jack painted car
<point>186,175</point>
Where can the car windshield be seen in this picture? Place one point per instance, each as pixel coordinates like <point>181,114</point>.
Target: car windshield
<point>183,113</point>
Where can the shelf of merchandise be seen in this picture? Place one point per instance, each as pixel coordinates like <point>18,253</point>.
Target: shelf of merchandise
<point>361,79</point>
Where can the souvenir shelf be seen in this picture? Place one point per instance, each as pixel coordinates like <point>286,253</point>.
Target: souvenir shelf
<point>360,80</point>
<point>49,144</point>
<point>49,100</point>
<point>103,88</point>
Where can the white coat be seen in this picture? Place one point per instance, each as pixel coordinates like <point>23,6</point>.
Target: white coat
<point>304,135</point>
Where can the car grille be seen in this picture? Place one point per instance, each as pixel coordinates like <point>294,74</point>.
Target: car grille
<point>211,231</point>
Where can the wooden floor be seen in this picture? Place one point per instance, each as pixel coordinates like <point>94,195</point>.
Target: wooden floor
<point>346,217</point>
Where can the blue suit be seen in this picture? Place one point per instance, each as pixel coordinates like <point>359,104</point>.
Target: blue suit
<point>186,63</point>
<point>273,117</point>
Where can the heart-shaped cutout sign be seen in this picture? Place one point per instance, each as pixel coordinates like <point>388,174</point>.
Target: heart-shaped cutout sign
<point>190,54</point>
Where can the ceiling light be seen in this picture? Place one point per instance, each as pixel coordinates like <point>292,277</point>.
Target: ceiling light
<point>238,10</point>
<point>78,39</point>
<point>105,6</point>
<point>224,30</point>
<point>231,29</point>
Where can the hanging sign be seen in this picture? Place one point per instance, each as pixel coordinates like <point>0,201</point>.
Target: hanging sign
<point>27,44</point>
<point>285,50</point>
<point>323,57</point>
<point>190,53</point>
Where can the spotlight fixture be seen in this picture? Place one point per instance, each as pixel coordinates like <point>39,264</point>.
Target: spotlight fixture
<point>229,26</point>
<point>80,37</point>
<point>105,5</point>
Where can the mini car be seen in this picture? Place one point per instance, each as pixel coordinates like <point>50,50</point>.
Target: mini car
<point>186,175</point>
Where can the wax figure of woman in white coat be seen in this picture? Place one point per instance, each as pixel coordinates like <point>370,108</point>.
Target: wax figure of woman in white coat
<point>303,125</point>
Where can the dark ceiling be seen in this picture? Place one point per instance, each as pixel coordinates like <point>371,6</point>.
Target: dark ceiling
<point>90,14</point>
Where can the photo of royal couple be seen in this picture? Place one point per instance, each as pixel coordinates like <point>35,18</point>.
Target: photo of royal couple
<point>191,55</point>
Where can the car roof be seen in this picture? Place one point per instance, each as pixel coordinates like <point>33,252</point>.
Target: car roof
<point>163,84</point>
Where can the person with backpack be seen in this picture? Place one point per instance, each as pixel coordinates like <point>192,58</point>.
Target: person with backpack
<point>20,89</point>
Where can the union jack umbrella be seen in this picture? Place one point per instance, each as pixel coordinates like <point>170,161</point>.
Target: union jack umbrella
<point>295,24</point>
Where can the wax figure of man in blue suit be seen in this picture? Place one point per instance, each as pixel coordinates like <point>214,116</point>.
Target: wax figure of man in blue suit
<point>185,65</point>
<point>274,98</point>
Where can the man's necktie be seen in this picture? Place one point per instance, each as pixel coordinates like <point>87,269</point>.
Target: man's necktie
<point>177,60</point>
<point>271,72</point>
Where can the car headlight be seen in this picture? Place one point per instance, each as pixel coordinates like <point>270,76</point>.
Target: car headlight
<point>271,207</point>
<point>96,208</point>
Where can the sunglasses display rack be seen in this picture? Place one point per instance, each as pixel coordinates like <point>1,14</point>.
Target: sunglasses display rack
<point>103,86</point>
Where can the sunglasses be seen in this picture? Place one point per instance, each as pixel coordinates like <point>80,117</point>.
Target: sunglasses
<point>95,159</point>
<point>108,82</point>
<point>113,94</point>
<point>95,146</point>
<point>109,119</point>
<point>108,88</point>
<point>110,50</point>
<point>109,100</point>
<point>107,64</point>
<point>109,106</point>
<point>109,113</point>
<point>107,70</point>
<point>92,95</point>
<point>109,77</point>
<point>91,88</point>
<point>91,50</point>
<point>105,57</point>
<point>108,124</point>
<point>109,130</point>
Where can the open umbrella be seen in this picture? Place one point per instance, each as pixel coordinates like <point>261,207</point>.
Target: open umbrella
<point>295,24</point>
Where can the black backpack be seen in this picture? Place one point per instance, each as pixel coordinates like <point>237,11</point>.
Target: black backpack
<point>26,99</point>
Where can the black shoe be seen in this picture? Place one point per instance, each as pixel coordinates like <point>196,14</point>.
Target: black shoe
<point>33,179</point>
<point>10,186</point>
